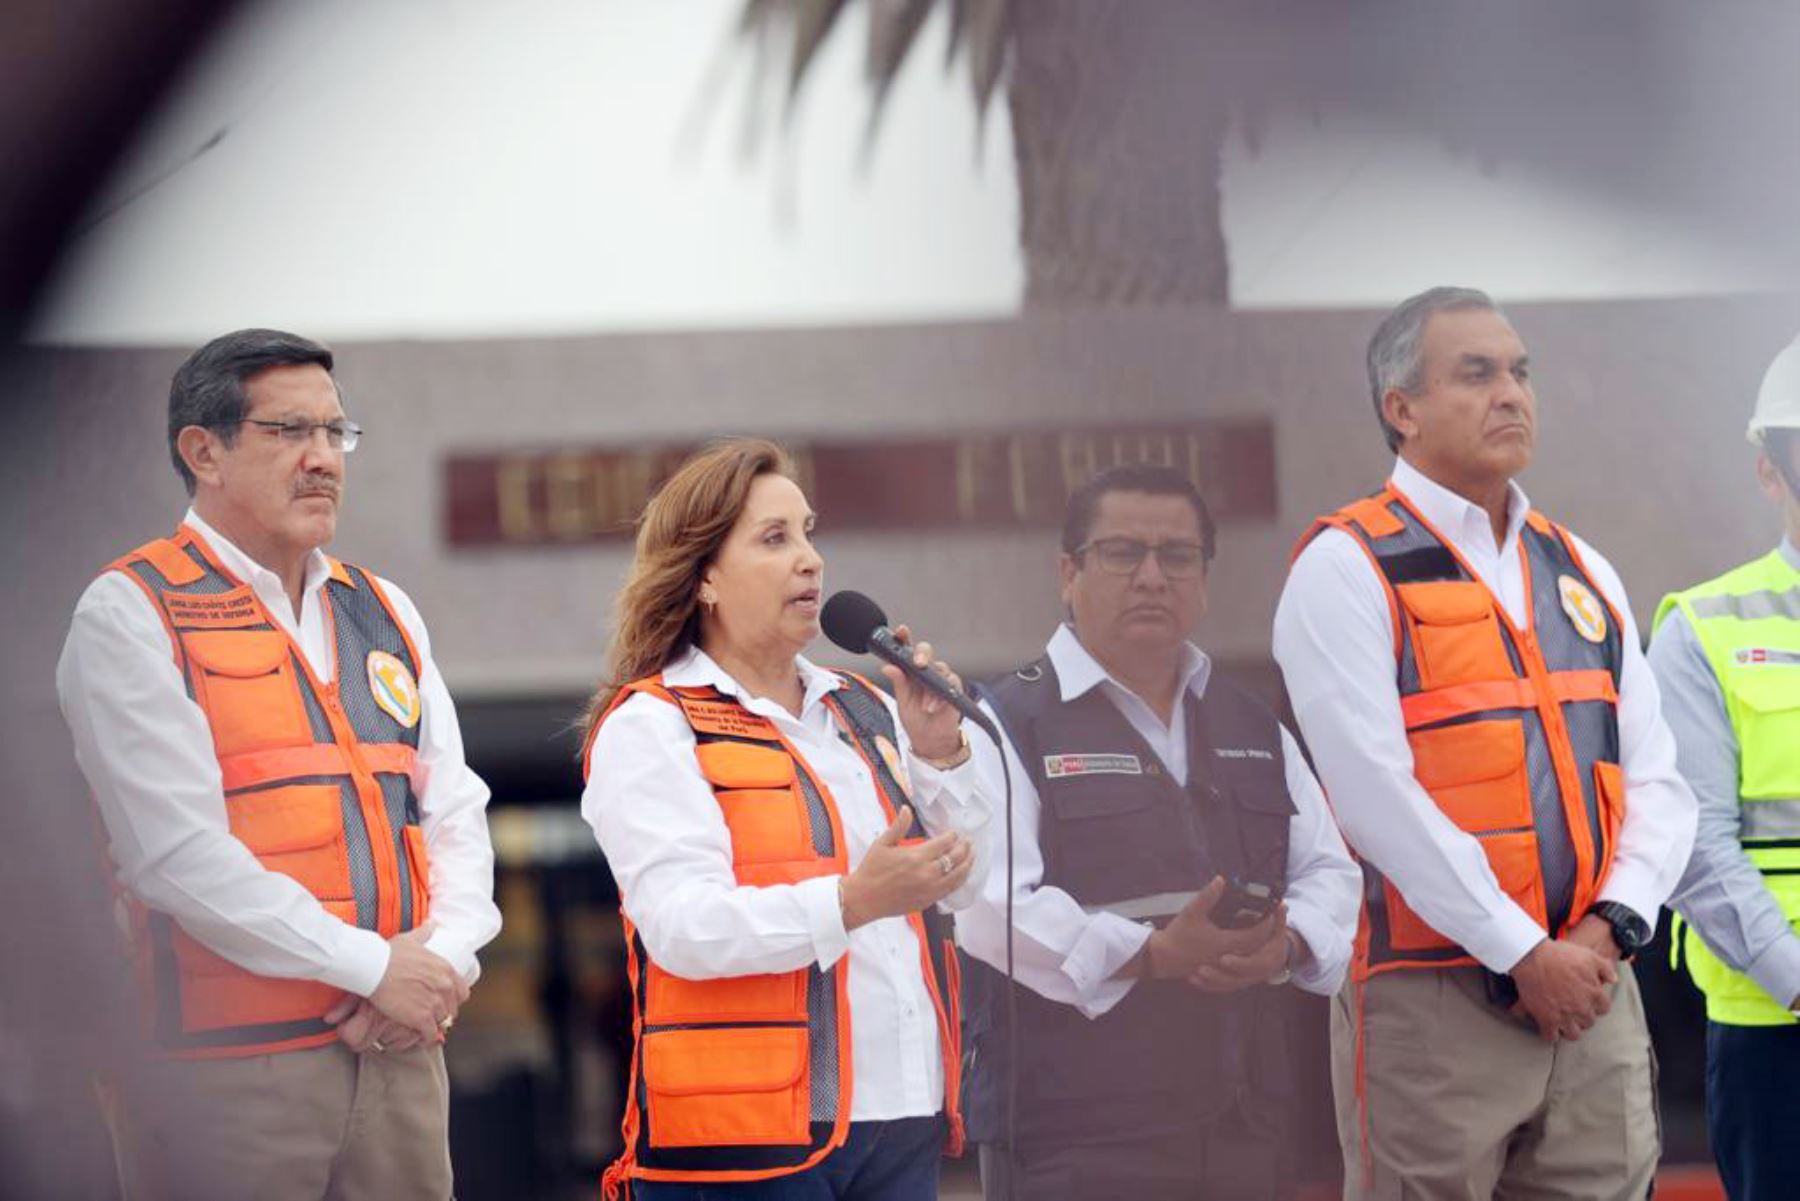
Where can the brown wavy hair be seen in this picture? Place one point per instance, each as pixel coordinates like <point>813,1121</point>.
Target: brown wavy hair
<point>657,614</point>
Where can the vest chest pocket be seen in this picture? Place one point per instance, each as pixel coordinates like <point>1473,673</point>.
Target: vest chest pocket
<point>1455,633</point>
<point>1765,703</point>
<point>1476,773</point>
<point>758,793</point>
<point>1110,836</point>
<point>247,683</point>
<point>771,839</point>
<point>297,830</point>
<point>1256,791</point>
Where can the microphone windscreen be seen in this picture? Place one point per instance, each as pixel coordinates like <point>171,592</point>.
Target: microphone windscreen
<point>848,619</point>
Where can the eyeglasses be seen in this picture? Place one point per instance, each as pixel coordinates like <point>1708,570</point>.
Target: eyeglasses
<point>339,435</point>
<point>1123,556</point>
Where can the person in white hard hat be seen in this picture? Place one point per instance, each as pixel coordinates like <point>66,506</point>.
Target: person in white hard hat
<point>1727,656</point>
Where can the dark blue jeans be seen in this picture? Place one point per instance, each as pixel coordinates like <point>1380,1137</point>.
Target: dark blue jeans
<point>1753,1109</point>
<point>879,1161</point>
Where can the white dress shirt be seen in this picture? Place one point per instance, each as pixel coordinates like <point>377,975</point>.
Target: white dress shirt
<point>666,841</point>
<point>1722,893</point>
<point>147,752</point>
<point>1334,640</point>
<point>1068,954</point>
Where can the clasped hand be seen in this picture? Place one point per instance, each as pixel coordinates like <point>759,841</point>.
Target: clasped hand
<point>1213,958</point>
<point>1565,984</point>
<point>417,997</point>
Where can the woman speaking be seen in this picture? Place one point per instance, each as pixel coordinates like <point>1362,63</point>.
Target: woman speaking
<point>795,988</point>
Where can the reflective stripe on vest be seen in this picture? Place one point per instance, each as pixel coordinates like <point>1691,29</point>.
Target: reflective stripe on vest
<point>1747,622</point>
<point>1151,908</point>
<point>317,779</point>
<point>1514,732</point>
<point>750,1077</point>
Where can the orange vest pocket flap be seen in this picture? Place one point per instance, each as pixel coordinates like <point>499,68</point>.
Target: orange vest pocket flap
<point>295,818</point>
<point>727,1059</point>
<point>671,999</point>
<point>1465,754</point>
<point>242,653</point>
<point>742,765</point>
<point>1446,602</point>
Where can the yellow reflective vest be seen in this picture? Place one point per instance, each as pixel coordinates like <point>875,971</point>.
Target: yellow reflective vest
<point>1748,624</point>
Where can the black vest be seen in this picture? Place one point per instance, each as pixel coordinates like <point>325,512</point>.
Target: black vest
<point>1116,828</point>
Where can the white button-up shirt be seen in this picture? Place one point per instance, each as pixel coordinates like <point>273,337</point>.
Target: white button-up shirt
<point>666,841</point>
<point>1067,954</point>
<point>1334,640</point>
<point>147,752</point>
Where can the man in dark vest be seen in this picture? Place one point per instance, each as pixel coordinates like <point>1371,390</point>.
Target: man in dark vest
<point>1160,816</point>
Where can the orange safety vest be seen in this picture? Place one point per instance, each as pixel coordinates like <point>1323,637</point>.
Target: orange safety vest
<point>317,778</point>
<point>1514,732</point>
<point>749,1077</point>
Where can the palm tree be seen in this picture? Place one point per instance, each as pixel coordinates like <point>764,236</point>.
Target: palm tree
<point>1121,108</point>
<point>1095,87</point>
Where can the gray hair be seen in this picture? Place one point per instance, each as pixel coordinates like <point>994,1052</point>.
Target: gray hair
<point>1394,360</point>
<point>208,389</point>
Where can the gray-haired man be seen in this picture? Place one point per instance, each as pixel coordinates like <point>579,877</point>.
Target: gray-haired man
<point>1480,713</point>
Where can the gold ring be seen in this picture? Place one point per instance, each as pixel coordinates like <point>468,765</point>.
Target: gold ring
<point>446,1023</point>
<point>944,864</point>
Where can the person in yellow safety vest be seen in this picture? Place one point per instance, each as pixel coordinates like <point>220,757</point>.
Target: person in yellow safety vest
<point>1727,656</point>
<point>301,851</point>
<point>783,838</point>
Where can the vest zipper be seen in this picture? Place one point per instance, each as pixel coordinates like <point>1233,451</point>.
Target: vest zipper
<point>373,809</point>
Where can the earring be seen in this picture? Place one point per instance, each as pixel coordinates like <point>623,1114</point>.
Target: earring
<point>709,603</point>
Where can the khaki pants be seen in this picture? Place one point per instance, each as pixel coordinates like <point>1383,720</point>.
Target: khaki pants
<point>1466,1102</point>
<point>323,1124</point>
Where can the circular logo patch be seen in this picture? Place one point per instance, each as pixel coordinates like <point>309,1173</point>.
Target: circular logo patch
<point>1585,611</point>
<point>394,688</point>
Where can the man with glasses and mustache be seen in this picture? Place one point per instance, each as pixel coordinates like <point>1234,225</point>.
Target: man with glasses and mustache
<point>301,854</point>
<point>1174,860</point>
<point>1470,683</point>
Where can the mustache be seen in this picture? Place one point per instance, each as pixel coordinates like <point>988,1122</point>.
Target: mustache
<point>318,484</point>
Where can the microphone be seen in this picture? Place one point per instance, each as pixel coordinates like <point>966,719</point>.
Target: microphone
<point>857,624</point>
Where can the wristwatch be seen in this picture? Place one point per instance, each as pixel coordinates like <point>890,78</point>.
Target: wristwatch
<point>1286,973</point>
<point>955,758</point>
<point>1629,931</point>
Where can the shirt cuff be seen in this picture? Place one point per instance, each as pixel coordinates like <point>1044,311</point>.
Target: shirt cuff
<point>1107,944</point>
<point>358,965</point>
<point>1503,941</point>
<point>824,918</point>
<point>1777,970</point>
<point>451,950</point>
<point>956,787</point>
<point>1327,951</point>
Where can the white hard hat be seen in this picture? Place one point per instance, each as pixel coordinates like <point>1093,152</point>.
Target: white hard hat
<point>1778,403</point>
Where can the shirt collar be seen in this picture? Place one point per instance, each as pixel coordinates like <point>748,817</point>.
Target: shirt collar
<point>1078,672</point>
<point>694,668</point>
<point>1460,519</point>
<point>241,565</point>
